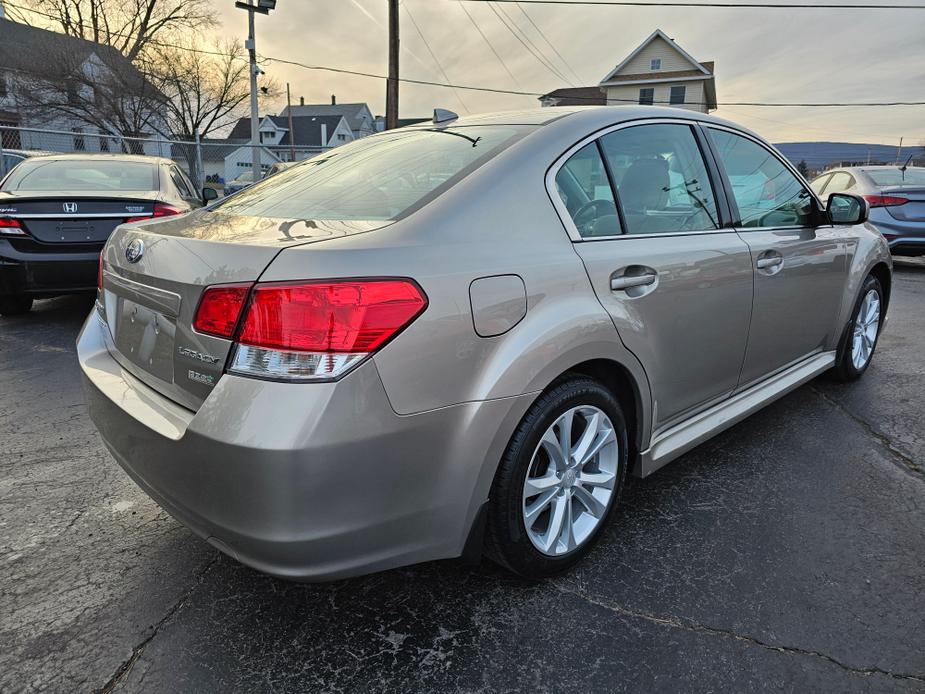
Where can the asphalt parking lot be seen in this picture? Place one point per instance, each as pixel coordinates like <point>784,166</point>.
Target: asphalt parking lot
<point>786,554</point>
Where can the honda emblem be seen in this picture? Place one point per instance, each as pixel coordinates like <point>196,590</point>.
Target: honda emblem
<point>70,207</point>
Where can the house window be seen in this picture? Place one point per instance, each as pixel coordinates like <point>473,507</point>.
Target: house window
<point>647,96</point>
<point>677,96</point>
<point>341,137</point>
<point>104,142</point>
<point>655,64</point>
<point>80,144</point>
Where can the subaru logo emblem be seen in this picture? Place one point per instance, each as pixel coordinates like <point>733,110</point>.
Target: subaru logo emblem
<point>135,250</point>
<point>70,207</point>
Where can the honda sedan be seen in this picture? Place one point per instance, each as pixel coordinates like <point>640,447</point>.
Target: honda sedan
<point>460,337</point>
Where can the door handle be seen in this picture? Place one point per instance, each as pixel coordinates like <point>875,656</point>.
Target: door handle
<point>769,262</point>
<point>628,282</point>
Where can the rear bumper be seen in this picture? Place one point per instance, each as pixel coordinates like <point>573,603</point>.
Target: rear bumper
<point>46,273</point>
<point>904,238</point>
<point>303,481</point>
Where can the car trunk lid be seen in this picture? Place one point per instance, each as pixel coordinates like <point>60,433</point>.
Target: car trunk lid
<point>75,219</point>
<point>912,211</point>
<point>150,294</point>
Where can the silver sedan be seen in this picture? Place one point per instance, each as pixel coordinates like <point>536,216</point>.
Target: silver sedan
<point>461,336</point>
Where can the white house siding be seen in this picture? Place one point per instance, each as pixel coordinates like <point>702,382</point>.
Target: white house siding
<point>628,94</point>
<point>659,48</point>
<point>241,161</point>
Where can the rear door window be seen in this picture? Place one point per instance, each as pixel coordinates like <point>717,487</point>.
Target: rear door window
<point>585,191</point>
<point>765,191</point>
<point>661,179</point>
<point>382,177</point>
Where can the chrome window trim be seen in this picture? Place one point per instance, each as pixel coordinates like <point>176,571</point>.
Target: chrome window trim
<point>563,213</point>
<point>787,165</point>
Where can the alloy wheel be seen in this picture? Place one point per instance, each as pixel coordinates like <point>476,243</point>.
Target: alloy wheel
<point>570,481</point>
<point>864,332</point>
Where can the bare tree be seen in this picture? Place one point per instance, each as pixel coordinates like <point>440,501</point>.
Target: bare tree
<point>129,26</point>
<point>205,90</point>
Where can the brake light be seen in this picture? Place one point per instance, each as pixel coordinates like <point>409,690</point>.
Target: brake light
<point>220,308</point>
<point>11,227</point>
<point>885,200</point>
<point>161,209</point>
<point>320,330</point>
<point>99,275</point>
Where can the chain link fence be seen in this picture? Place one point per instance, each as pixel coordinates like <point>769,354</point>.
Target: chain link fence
<point>213,163</point>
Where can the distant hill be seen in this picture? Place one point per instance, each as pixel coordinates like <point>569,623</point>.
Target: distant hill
<point>819,155</point>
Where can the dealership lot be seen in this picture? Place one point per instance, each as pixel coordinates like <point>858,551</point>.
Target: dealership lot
<point>784,554</point>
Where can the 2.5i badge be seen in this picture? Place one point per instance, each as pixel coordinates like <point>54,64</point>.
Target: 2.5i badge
<point>204,379</point>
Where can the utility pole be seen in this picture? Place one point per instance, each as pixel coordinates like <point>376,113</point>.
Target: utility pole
<point>291,131</point>
<point>391,89</point>
<point>263,7</point>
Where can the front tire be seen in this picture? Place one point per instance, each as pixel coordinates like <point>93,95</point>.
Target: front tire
<point>860,340</point>
<point>15,305</point>
<point>559,480</point>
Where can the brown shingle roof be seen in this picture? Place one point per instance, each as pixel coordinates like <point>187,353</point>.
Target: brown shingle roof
<point>577,96</point>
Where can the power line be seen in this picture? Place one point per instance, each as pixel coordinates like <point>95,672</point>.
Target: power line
<point>493,90</point>
<point>539,50</point>
<point>532,52</point>
<point>490,46</point>
<point>433,55</point>
<point>722,5</point>
<point>548,42</point>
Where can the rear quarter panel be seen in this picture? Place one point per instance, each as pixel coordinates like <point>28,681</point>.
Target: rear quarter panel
<point>866,248</point>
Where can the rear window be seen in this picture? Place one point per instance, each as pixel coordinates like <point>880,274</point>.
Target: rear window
<point>377,178</point>
<point>894,177</point>
<point>70,175</point>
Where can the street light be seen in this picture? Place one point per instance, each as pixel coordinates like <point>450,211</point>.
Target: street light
<point>263,7</point>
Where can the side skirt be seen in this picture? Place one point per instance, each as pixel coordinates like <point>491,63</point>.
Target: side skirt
<point>703,426</point>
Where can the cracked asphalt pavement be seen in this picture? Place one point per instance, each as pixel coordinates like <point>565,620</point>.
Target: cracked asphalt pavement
<point>786,554</point>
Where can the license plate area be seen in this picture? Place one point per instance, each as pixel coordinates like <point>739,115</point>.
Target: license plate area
<point>145,337</point>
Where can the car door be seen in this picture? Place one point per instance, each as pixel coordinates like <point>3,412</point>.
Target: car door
<point>798,256</point>
<point>643,212</point>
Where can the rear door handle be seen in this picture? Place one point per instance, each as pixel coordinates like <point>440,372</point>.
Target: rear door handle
<point>628,282</point>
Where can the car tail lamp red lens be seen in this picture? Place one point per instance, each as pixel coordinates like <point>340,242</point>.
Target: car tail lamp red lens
<point>161,209</point>
<point>99,275</point>
<point>885,200</point>
<point>11,227</point>
<point>319,330</point>
<point>220,308</point>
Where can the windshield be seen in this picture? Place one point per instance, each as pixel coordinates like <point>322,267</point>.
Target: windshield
<point>87,175</point>
<point>377,178</point>
<point>894,177</point>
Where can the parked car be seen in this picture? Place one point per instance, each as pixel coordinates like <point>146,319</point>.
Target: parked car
<point>464,335</point>
<point>240,183</point>
<point>11,157</point>
<point>896,196</point>
<point>56,212</point>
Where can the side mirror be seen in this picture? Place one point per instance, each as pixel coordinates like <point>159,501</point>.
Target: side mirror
<point>847,208</point>
<point>209,194</point>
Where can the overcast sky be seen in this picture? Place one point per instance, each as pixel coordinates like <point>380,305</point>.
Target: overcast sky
<point>761,55</point>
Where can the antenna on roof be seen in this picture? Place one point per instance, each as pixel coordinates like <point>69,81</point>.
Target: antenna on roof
<point>442,115</point>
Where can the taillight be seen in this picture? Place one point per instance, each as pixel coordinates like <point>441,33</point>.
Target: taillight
<point>220,308</point>
<point>11,227</point>
<point>319,330</point>
<point>99,275</point>
<point>885,200</point>
<point>161,209</point>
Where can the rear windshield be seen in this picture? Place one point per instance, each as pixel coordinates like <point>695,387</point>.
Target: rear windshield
<point>894,177</point>
<point>89,175</point>
<point>377,178</point>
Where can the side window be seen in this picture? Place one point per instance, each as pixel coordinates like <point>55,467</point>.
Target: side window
<point>818,183</point>
<point>586,193</point>
<point>661,179</point>
<point>840,182</point>
<point>180,183</point>
<point>765,191</point>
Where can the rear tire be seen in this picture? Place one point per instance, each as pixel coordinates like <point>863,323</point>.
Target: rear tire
<point>577,483</point>
<point>860,340</point>
<point>15,305</point>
